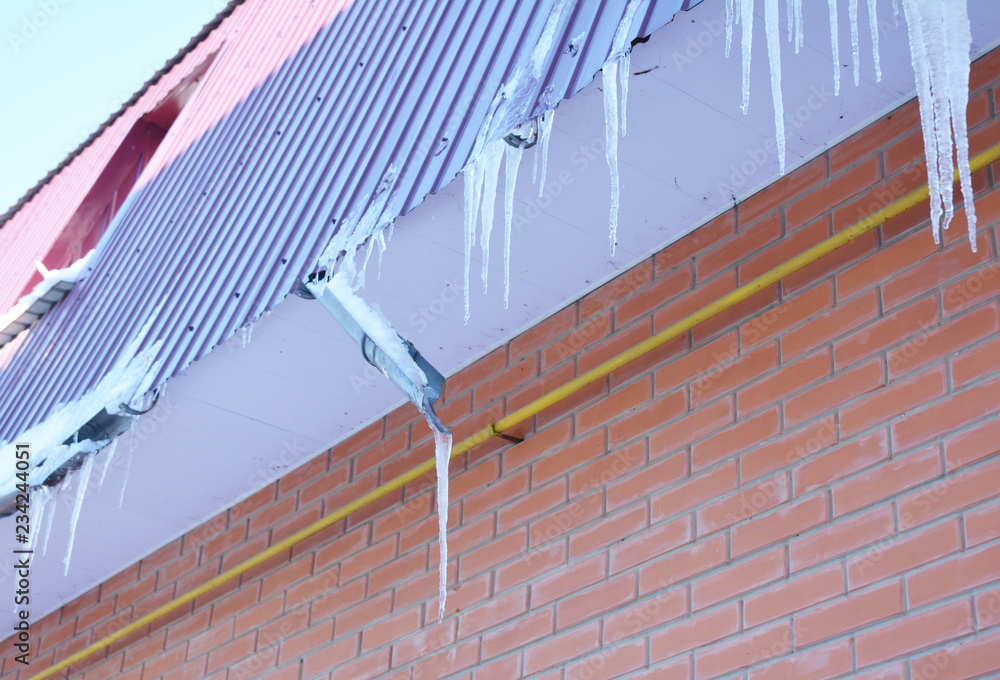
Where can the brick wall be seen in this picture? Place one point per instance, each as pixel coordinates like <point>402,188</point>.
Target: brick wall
<point>804,487</point>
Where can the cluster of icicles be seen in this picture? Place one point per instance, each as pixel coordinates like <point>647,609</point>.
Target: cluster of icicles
<point>940,41</point>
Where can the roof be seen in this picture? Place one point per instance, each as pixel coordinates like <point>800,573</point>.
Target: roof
<point>301,114</point>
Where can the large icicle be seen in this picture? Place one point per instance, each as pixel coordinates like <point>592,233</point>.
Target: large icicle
<point>855,49</point>
<point>774,55</point>
<point>729,25</point>
<point>940,40</point>
<point>512,161</point>
<point>442,456</point>
<point>746,12</point>
<point>873,26</point>
<point>473,180</point>
<point>835,46</point>
<point>544,134</point>
<point>491,173</point>
<point>83,479</point>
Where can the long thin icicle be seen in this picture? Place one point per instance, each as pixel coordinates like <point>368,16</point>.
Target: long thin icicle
<point>544,135</point>
<point>442,456</point>
<point>958,39</point>
<point>774,56</point>
<point>835,46</point>
<point>746,10</point>
<point>47,530</point>
<point>83,479</point>
<point>491,173</point>
<point>41,498</point>
<point>109,454</point>
<point>729,26</point>
<point>512,162</point>
<point>873,25</point>
<point>610,74</point>
<point>855,49</point>
<point>473,180</point>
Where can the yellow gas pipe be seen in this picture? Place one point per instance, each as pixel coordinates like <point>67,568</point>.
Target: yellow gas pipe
<point>687,323</point>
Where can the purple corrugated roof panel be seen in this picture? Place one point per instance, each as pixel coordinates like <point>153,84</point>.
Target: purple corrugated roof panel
<point>303,110</point>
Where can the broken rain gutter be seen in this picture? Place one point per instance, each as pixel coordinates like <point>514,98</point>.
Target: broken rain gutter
<point>520,415</point>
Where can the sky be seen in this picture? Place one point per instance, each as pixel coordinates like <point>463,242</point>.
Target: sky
<point>67,65</point>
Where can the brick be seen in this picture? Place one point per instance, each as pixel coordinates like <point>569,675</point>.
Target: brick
<point>793,595</point>
<point>953,576</point>
<point>697,363</point>
<point>693,492</point>
<point>793,447</point>
<point>538,561</point>
<point>746,650</point>
<point>825,196</point>
<point>658,293</point>
<point>979,285</point>
<point>640,484</point>
<point>791,244</point>
<point>696,242</point>
<point>643,547</point>
<point>614,345</point>
<point>691,427</point>
<point>900,122</point>
<point>728,442</point>
<point>362,613</point>
<point>562,648</point>
<point>913,633</point>
<point>617,289</point>
<point>487,499</point>
<point>651,416</point>
<point>608,469</point>
<point>974,364</point>
<point>591,603</point>
<point>946,496</point>
<point>774,387</point>
<point>526,508</point>
<point>982,525</point>
<point>610,662</point>
<point>746,502</point>
<point>887,480</point>
<point>857,610</point>
<point>819,663</point>
<point>504,382</point>
<point>493,612</point>
<point>541,443</point>
<point>893,329</point>
<point>779,525</point>
<point>617,404</point>
<point>567,519</point>
<point>745,575</point>
<point>568,580</point>
<point>610,530</point>
<point>694,632</point>
<point>368,559</point>
<point>387,631</point>
<point>903,553</point>
<point>651,612</point>
<point>988,608</point>
<point>841,537</point>
<point>592,446</point>
<point>937,344</point>
<point>975,657</point>
<point>840,389</point>
<point>829,326</point>
<point>544,332</point>
<point>792,311</point>
<point>492,553</point>
<point>314,637</point>
<point>893,401</point>
<point>934,271</point>
<point>698,298</point>
<point>480,370</point>
<point>736,248</point>
<point>522,632</point>
<point>972,445</point>
<point>231,652</point>
<point>366,667</point>
<point>841,462</point>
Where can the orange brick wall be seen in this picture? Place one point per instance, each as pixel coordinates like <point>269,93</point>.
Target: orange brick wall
<point>805,487</point>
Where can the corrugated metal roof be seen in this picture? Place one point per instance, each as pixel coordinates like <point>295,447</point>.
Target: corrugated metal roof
<point>303,111</point>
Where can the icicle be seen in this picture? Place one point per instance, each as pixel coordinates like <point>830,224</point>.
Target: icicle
<point>729,26</point>
<point>40,501</point>
<point>128,461</point>
<point>895,10</point>
<point>491,174</point>
<point>442,456</point>
<point>855,51</point>
<point>873,24</point>
<point>109,453</point>
<point>958,42</point>
<point>611,137</point>
<point>774,55</point>
<point>746,9</point>
<point>48,523</point>
<point>800,33</point>
<point>512,162</point>
<point>472,181</point>
<point>624,65</point>
<point>835,46</point>
<point>790,11</point>
<point>544,134</point>
<point>83,479</point>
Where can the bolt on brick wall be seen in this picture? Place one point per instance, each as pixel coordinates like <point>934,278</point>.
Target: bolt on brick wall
<point>807,486</point>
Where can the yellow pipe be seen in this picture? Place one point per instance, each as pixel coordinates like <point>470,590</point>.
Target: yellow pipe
<point>687,323</point>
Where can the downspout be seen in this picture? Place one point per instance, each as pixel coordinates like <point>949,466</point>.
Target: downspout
<point>496,429</point>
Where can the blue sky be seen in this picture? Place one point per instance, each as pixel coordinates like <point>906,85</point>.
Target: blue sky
<point>67,65</point>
